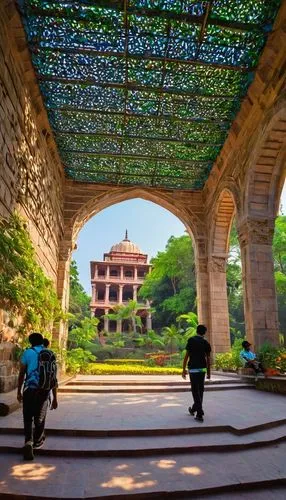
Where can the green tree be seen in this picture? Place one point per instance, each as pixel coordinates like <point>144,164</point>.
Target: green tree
<point>79,299</point>
<point>171,337</point>
<point>279,254</point>
<point>171,284</point>
<point>234,287</point>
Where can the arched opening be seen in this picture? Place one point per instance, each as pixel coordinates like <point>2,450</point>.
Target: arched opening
<point>118,281</point>
<point>221,269</point>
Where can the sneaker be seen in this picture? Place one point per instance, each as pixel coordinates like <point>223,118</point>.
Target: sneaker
<point>28,451</point>
<point>39,445</point>
<point>191,411</point>
<point>199,418</point>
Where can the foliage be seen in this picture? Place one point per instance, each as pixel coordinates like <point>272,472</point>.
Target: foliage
<point>279,254</point>
<point>105,369</point>
<point>191,321</point>
<point>229,361</point>
<point>171,284</point>
<point>234,287</point>
<point>83,334</point>
<point>24,288</point>
<point>127,312</point>
<point>79,300</point>
<point>273,357</point>
<point>78,360</point>
<point>119,361</point>
<point>225,362</point>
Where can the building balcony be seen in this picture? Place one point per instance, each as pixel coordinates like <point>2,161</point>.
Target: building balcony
<point>110,303</point>
<point>118,279</point>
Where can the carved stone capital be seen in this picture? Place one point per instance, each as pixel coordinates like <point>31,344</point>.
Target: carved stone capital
<point>217,264</point>
<point>256,231</point>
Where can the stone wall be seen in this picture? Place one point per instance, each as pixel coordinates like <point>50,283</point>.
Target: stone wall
<point>31,176</point>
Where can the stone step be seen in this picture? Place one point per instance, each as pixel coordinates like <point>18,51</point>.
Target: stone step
<point>152,383</point>
<point>158,477</point>
<point>138,446</point>
<point>146,388</point>
<point>194,428</point>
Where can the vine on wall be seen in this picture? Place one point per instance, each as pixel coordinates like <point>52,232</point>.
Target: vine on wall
<point>25,291</point>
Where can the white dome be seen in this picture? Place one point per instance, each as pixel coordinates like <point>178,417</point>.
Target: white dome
<point>126,246</point>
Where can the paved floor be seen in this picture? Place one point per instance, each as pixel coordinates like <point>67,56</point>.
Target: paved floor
<point>240,408</point>
<point>71,478</point>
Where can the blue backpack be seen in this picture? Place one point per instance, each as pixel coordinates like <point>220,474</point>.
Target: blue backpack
<point>47,369</point>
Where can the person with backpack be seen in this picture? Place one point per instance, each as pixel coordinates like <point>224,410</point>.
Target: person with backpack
<point>198,358</point>
<point>38,374</point>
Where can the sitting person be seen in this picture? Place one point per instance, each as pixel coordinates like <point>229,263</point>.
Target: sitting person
<point>249,358</point>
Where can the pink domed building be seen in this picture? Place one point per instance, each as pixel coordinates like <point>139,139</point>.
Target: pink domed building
<point>116,280</point>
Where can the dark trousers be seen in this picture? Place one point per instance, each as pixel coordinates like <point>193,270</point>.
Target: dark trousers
<point>198,387</point>
<point>255,365</point>
<point>35,405</point>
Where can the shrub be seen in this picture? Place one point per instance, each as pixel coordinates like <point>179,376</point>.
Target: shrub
<point>77,360</point>
<point>125,361</point>
<point>225,362</point>
<point>273,358</point>
<point>106,369</point>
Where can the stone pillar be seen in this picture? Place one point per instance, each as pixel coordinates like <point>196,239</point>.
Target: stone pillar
<point>219,315</point>
<point>202,282</point>
<point>106,298</point>
<point>119,326</point>
<point>135,287</point>
<point>60,331</point>
<point>93,289</point>
<point>107,272</point>
<point>120,294</point>
<point>95,272</point>
<point>106,321</point>
<point>135,273</point>
<point>121,273</point>
<point>149,321</point>
<point>260,303</point>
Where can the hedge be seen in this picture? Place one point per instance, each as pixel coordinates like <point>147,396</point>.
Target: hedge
<point>125,361</point>
<point>110,369</point>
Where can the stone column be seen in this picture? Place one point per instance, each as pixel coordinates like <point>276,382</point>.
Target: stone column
<point>106,321</point>
<point>219,314</point>
<point>121,272</point>
<point>107,272</point>
<point>119,326</point>
<point>260,303</point>
<point>202,283</point>
<point>135,273</point>
<point>135,287</point>
<point>120,294</point>
<point>95,272</point>
<point>106,298</point>
<point>93,288</point>
<point>149,321</point>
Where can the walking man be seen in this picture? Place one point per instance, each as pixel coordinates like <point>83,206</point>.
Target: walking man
<point>198,358</point>
<point>38,373</point>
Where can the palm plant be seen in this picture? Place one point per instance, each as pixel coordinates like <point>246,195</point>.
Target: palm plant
<point>128,313</point>
<point>191,320</point>
<point>171,336</point>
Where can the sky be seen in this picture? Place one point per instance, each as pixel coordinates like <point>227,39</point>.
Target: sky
<point>149,226</point>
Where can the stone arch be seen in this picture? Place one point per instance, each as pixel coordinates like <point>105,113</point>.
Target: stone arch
<point>221,222</point>
<point>83,201</point>
<point>97,202</point>
<point>267,170</point>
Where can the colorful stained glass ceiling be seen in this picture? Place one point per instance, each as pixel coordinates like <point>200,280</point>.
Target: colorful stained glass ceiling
<point>143,92</point>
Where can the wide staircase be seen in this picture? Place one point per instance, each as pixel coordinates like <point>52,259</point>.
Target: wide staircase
<point>132,438</point>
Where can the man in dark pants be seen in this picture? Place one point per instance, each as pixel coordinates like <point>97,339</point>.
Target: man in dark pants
<point>35,400</point>
<point>198,353</point>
